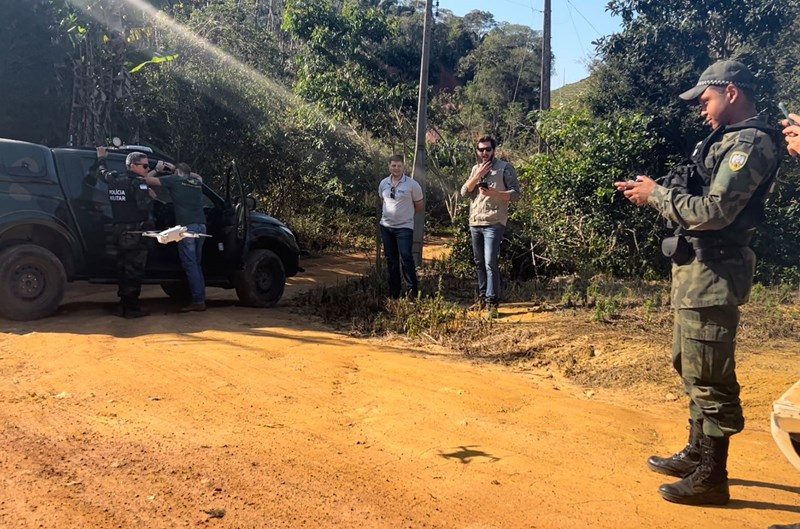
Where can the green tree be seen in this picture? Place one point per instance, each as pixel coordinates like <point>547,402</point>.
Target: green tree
<point>343,67</point>
<point>663,47</point>
<point>503,81</point>
<point>32,73</point>
<point>570,216</point>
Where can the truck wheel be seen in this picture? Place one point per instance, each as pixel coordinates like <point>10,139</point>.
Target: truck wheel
<point>261,281</point>
<point>32,282</point>
<point>178,291</point>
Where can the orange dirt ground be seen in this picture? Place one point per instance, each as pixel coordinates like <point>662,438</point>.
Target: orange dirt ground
<point>262,418</point>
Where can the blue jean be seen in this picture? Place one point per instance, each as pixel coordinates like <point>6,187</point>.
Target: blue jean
<point>397,243</point>
<point>486,249</point>
<point>190,251</point>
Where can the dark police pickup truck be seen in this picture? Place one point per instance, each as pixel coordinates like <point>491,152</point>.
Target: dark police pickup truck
<point>55,228</point>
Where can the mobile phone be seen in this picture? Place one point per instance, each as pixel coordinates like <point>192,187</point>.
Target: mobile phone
<point>483,185</point>
<point>785,111</point>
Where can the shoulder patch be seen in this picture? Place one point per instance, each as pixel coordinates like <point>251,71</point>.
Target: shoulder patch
<point>747,136</point>
<point>737,160</point>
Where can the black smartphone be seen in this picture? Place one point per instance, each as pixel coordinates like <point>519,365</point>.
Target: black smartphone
<point>483,185</point>
<point>785,111</point>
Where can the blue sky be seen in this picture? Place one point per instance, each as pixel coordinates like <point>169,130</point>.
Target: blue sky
<point>575,24</point>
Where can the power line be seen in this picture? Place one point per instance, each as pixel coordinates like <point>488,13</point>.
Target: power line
<point>586,19</point>
<point>577,33</point>
<point>523,5</point>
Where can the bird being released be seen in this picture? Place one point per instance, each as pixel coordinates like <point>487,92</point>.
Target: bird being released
<point>174,234</point>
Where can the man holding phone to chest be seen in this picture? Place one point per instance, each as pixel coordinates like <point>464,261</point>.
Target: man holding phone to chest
<point>491,186</point>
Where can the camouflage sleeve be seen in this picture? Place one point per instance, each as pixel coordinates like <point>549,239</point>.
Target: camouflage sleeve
<point>742,168</point>
<point>98,171</point>
<point>511,182</point>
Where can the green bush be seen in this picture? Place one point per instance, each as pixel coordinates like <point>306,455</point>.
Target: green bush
<point>576,220</point>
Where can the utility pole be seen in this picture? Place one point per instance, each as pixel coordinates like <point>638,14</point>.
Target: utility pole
<point>421,154</point>
<point>544,95</point>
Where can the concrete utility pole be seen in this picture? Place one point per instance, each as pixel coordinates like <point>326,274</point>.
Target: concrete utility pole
<point>544,95</point>
<point>421,154</point>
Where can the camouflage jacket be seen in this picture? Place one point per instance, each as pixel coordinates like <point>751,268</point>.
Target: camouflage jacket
<point>739,163</point>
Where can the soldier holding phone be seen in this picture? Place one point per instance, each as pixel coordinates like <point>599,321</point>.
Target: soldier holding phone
<point>716,204</point>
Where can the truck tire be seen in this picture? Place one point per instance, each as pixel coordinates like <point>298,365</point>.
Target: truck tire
<point>262,279</point>
<point>178,291</point>
<point>32,281</point>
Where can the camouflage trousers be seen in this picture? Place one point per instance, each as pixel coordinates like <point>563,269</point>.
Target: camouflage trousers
<point>703,347</point>
<point>131,261</point>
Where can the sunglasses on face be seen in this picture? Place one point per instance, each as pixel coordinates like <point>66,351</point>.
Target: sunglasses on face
<point>485,149</point>
<point>142,164</point>
<point>392,193</point>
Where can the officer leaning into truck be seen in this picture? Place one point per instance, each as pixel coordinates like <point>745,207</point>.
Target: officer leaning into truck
<point>131,200</point>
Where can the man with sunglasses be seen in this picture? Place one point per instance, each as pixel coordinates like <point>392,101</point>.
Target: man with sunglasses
<point>401,197</point>
<point>491,186</point>
<point>131,201</point>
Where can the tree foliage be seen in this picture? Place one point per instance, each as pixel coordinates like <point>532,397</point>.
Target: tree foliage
<point>570,216</point>
<point>663,47</point>
<point>344,67</point>
<point>33,73</point>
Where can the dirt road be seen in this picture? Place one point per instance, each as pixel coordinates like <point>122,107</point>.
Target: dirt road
<point>246,418</point>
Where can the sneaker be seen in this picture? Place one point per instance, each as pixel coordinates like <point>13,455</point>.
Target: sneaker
<point>492,309</point>
<point>480,303</point>
<point>194,307</point>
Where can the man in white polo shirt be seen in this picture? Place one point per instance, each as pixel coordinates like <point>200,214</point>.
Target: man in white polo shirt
<point>402,197</point>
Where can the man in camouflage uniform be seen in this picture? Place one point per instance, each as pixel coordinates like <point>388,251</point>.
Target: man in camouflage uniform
<point>715,204</point>
<point>130,200</point>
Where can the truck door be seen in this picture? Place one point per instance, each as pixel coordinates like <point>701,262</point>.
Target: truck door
<point>234,195</point>
<point>90,206</point>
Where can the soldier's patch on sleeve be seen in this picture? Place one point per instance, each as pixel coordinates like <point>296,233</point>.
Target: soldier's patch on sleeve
<point>737,160</point>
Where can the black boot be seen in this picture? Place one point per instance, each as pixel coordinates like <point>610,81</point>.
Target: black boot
<point>136,312</point>
<point>119,310</point>
<point>708,484</point>
<point>684,462</point>
<point>133,309</point>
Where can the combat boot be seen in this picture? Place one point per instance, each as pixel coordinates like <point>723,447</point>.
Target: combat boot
<point>119,310</point>
<point>708,484</point>
<point>133,309</point>
<point>684,462</point>
<point>136,312</point>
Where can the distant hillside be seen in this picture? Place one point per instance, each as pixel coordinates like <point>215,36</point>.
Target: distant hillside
<point>568,93</point>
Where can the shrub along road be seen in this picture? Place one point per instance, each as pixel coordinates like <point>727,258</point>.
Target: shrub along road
<point>247,418</point>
